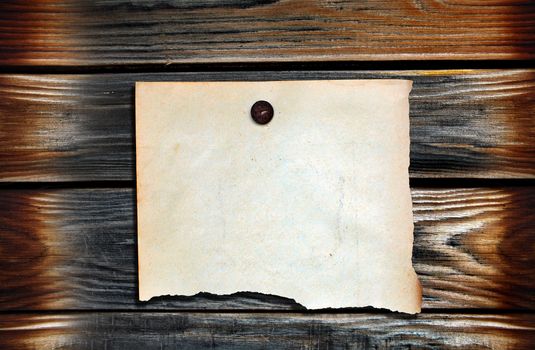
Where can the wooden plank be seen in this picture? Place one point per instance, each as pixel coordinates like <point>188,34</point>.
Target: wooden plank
<point>115,32</point>
<point>172,330</point>
<point>76,249</point>
<point>79,127</point>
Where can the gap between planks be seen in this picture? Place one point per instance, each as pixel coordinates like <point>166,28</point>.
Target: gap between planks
<point>131,184</point>
<point>409,65</point>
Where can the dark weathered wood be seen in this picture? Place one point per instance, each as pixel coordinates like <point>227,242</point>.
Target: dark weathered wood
<point>172,330</point>
<point>79,127</point>
<point>75,249</point>
<point>115,32</point>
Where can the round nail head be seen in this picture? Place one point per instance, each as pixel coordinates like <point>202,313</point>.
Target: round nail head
<point>262,112</point>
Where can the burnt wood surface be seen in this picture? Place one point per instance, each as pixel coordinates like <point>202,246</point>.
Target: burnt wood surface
<point>464,123</point>
<point>67,201</point>
<point>175,330</point>
<point>76,249</point>
<point>118,32</point>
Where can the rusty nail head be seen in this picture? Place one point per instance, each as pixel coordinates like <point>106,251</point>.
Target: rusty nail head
<point>262,112</point>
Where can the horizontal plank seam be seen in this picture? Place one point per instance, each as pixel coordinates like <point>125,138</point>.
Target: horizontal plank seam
<point>414,182</point>
<point>271,66</point>
<point>466,311</point>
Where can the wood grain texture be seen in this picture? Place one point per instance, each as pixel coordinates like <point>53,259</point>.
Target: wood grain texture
<point>113,32</point>
<point>76,249</point>
<point>464,123</point>
<point>172,330</point>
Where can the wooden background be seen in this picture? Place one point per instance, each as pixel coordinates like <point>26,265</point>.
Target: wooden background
<point>67,201</point>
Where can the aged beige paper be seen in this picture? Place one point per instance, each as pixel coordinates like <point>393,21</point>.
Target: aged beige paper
<point>314,206</point>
